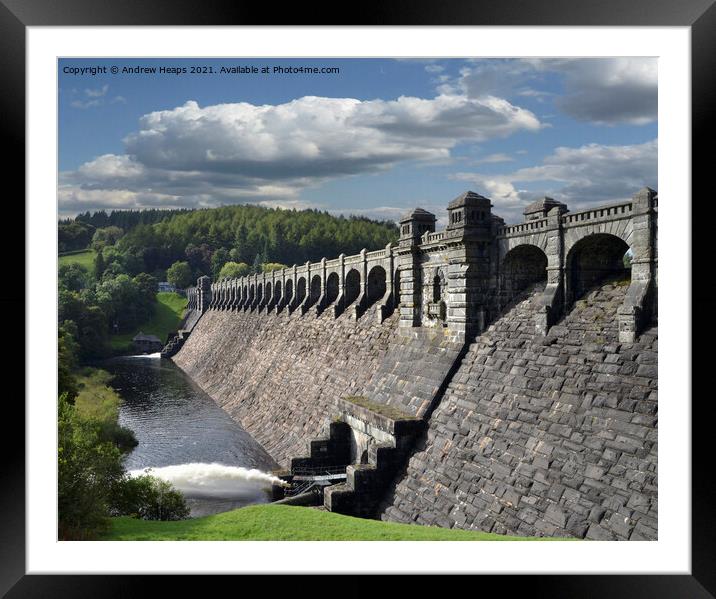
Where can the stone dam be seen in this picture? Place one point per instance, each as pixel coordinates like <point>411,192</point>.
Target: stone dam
<point>489,377</point>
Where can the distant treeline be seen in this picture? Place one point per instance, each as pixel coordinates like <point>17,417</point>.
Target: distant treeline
<point>118,292</point>
<point>76,233</point>
<point>209,238</point>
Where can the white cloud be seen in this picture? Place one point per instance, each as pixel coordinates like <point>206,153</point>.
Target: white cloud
<point>94,97</point>
<point>97,93</point>
<point>494,159</point>
<point>605,91</point>
<point>591,174</point>
<point>85,104</point>
<point>241,151</point>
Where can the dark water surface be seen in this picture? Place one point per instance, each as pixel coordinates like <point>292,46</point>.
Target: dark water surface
<point>176,423</point>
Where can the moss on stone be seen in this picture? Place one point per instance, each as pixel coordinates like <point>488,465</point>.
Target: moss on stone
<point>377,408</point>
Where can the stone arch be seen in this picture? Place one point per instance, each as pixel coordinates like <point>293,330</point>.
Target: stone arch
<point>259,292</point>
<point>268,290</point>
<point>300,289</point>
<point>522,266</point>
<point>315,290</point>
<point>332,288</point>
<point>277,290</point>
<point>377,284</point>
<point>252,292</point>
<point>621,229</point>
<point>352,287</point>
<point>593,259</point>
<point>537,240</point>
<point>289,290</point>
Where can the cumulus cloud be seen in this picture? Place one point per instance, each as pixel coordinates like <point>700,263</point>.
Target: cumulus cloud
<point>587,175</point>
<point>605,91</point>
<point>242,152</point>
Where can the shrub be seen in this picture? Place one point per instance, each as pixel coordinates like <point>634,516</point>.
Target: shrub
<point>88,469</point>
<point>149,498</point>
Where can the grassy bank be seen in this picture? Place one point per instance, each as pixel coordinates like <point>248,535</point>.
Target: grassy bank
<point>84,258</point>
<point>287,523</point>
<point>168,312</point>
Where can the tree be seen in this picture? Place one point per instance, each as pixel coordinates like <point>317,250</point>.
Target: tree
<point>256,265</point>
<point>99,265</point>
<point>73,276</point>
<point>67,361</point>
<point>218,259</point>
<point>269,266</point>
<point>88,469</point>
<point>199,258</point>
<point>105,237</point>
<point>149,498</point>
<point>179,274</point>
<point>234,270</point>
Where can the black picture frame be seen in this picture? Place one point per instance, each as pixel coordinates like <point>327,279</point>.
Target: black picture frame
<point>699,15</point>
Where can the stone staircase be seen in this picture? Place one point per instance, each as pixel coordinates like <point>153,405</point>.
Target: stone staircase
<point>175,343</point>
<point>330,452</point>
<point>366,483</point>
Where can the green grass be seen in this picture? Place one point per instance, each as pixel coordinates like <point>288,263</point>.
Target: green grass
<point>167,315</point>
<point>84,258</point>
<point>288,523</point>
<point>384,410</point>
<point>96,400</point>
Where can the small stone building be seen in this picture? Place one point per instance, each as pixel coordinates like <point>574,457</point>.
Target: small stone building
<point>146,344</point>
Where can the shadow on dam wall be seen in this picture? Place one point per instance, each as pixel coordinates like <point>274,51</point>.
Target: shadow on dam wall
<point>533,435</point>
<point>543,436</point>
<point>280,375</point>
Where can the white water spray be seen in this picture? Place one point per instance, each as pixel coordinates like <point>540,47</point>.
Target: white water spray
<point>155,355</point>
<point>197,480</point>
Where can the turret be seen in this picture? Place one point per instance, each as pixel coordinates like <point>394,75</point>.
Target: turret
<point>469,209</point>
<point>415,223</point>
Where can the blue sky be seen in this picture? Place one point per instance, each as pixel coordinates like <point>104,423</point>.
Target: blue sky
<point>377,138</point>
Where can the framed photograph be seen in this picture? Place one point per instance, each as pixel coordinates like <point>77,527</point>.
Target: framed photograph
<point>404,271</point>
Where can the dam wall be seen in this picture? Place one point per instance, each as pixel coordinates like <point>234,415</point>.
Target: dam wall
<point>519,362</point>
<point>281,375</point>
<point>543,436</point>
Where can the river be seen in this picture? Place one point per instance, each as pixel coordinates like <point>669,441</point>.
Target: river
<point>186,438</point>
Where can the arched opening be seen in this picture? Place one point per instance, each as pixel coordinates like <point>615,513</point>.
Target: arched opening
<point>259,292</point>
<point>277,290</point>
<point>289,290</point>
<point>252,293</point>
<point>439,287</point>
<point>396,287</point>
<point>332,288</point>
<point>522,267</point>
<point>268,290</point>
<point>300,290</point>
<point>352,287</point>
<point>315,290</point>
<point>376,284</point>
<point>594,260</point>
